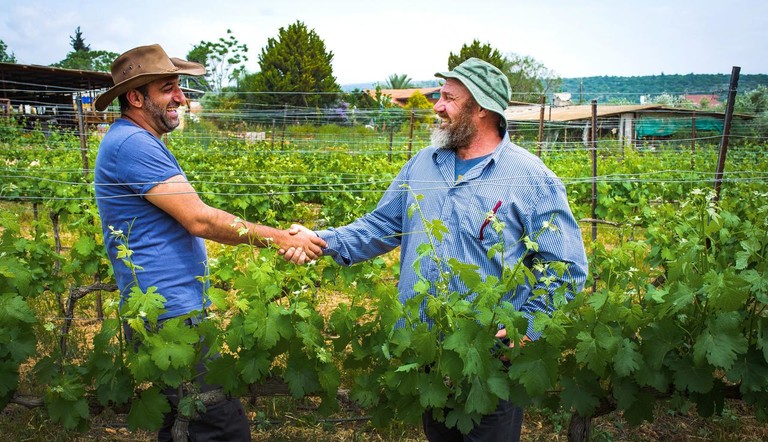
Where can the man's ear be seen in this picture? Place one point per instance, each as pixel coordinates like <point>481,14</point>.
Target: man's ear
<point>490,116</point>
<point>485,113</point>
<point>135,98</point>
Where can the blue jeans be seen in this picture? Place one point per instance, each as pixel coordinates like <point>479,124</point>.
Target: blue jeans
<point>503,425</point>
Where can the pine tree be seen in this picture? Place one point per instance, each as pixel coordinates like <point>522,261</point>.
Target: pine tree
<point>296,61</point>
<point>477,50</point>
<point>528,78</point>
<point>5,55</point>
<point>82,57</point>
<point>78,42</point>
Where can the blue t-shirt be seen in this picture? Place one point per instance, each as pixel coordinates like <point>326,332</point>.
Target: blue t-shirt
<point>463,166</point>
<point>130,162</point>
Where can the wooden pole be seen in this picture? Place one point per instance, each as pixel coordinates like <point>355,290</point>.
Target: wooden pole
<point>285,116</point>
<point>391,136</point>
<point>541,125</point>
<point>410,135</point>
<point>272,135</point>
<point>693,141</point>
<point>84,155</point>
<point>726,130</point>
<point>593,136</point>
<point>83,137</point>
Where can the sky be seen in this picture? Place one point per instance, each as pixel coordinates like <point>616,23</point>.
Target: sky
<point>372,40</point>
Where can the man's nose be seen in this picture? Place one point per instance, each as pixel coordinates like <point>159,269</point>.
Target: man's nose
<point>179,96</point>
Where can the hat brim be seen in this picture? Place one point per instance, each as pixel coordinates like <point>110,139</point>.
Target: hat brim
<point>482,100</point>
<point>182,67</point>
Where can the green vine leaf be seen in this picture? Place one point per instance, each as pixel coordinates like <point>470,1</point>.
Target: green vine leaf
<point>147,410</point>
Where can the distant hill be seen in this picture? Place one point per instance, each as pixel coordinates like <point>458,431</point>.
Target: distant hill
<point>372,85</point>
<point>606,89</point>
<point>359,86</point>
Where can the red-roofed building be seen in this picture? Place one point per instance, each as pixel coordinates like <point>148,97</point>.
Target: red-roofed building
<point>401,96</point>
<point>704,100</point>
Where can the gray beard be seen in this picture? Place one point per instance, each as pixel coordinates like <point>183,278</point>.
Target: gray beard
<point>441,138</point>
<point>455,137</point>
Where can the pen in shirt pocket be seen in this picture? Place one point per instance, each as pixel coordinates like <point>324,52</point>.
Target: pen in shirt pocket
<point>488,219</point>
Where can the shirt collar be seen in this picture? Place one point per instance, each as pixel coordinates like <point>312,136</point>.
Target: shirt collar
<point>440,156</point>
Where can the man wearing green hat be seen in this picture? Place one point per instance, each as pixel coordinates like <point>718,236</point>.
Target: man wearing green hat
<point>470,175</point>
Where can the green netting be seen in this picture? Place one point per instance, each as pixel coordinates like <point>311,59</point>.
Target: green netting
<point>662,127</point>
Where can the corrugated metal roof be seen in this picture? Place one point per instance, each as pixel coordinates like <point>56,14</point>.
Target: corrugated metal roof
<point>20,81</point>
<point>574,113</point>
<point>532,112</point>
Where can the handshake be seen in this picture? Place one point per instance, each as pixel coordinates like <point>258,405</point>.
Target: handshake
<point>300,245</point>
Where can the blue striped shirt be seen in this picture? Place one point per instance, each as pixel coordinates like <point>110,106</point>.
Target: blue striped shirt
<point>525,194</point>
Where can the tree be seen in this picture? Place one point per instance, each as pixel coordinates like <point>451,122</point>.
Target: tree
<point>667,99</point>
<point>5,56</point>
<point>78,42</point>
<point>360,99</point>
<point>753,102</point>
<point>421,106</point>
<point>477,50</point>
<point>89,60</point>
<point>296,70</point>
<point>396,81</point>
<point>528,78</point>
<point>224,60</point>
<point>83,58</point>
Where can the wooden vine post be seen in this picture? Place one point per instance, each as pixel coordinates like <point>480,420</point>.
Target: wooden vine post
<point>580,427</point>
<point>410,134</point>
<point>693,141</point>
<point>541,126</point>
<point>726,131</point>
<point>593,143</point>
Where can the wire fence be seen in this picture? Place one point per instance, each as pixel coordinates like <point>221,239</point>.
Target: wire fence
<point>41,162</point>
<point>260,132</point>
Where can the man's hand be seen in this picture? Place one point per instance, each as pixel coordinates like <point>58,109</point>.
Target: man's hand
<point>301,245</point>
<point>502,334</point>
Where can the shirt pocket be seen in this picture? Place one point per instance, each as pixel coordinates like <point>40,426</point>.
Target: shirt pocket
<point>477,227</point>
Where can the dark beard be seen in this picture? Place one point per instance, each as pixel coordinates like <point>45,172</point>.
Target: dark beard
<point>158,114</point>
<point>459,132</point>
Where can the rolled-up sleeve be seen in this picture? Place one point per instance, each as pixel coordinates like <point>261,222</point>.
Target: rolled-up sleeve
<point>373,234</point>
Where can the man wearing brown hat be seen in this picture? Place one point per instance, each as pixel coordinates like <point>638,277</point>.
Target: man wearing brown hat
<point>142,191</point>
<point>470,171</point>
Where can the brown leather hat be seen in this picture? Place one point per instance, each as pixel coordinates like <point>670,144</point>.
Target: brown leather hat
<point>142,65</point>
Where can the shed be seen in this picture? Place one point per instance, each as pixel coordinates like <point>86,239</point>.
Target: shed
<point>48,95</point>
<point>628,123</point>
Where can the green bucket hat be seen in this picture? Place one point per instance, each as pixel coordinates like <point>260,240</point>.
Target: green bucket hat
<point>487,84</point>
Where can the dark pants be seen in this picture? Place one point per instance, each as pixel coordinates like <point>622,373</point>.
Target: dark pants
<point>503,425</point>
<point>223,421</point>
